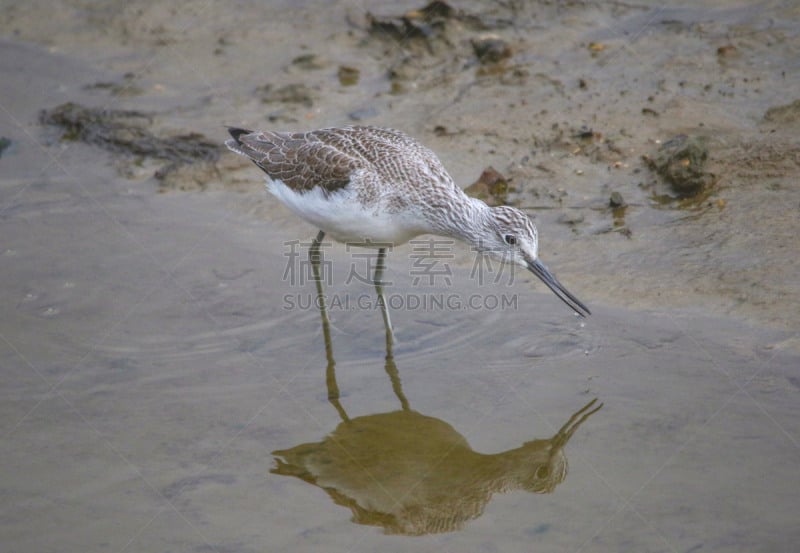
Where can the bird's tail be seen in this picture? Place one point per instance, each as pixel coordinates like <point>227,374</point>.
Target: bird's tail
<point>234,144</point>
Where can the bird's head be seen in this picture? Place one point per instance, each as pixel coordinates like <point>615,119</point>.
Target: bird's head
<point>510,236</point>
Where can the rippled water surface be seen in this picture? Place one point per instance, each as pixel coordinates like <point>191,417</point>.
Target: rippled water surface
<point>157,392</point>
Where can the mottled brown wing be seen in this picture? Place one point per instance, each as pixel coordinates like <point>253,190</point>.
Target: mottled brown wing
<point>300,163</point>
<point>393,155</point>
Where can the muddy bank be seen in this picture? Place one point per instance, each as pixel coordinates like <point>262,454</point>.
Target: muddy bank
<point>570,103</point>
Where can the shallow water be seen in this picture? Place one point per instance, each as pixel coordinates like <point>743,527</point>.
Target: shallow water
<point>152,380</point>
<point>159,392</point>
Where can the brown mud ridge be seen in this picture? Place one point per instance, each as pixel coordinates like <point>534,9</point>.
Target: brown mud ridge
<point>128,133</point>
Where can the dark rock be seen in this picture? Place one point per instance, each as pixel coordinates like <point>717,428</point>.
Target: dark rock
<point>422,23</point>
<point>491,187</point>
<point>348,76</point>
<point>681,162</point>
<point>442,130</point>
<point>491,49</point>
<point>616,200</point>
<point>308,62</point>
<point>727,51</point>
<point>584,133</point>
<point>437,8</point>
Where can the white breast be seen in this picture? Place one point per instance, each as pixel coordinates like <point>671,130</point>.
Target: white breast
<point>343,217</point>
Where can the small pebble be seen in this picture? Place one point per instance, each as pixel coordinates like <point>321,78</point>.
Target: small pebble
<point>348,76</point>
<point>491,49</point>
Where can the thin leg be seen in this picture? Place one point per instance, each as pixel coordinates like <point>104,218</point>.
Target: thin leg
<point>330,371</point>
<point>390,367</point>
<point>377,280</point>
<point>314,257</point>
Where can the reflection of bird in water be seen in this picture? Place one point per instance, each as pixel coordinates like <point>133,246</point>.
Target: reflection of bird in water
<point>411,473</point>
<point>414,474</point>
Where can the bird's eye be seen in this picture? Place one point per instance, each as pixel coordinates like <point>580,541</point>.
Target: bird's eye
<point>510,239</point>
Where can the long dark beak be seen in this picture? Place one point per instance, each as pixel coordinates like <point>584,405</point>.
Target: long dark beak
<point>537,268</point>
